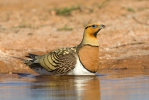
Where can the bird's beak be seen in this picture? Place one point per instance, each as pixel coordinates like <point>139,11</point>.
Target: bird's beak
<point>102,26</point>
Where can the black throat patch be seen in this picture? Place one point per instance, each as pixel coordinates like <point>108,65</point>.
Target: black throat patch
<point>95,34</point>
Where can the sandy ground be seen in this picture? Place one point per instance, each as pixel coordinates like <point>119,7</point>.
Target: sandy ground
<point>35,26</point>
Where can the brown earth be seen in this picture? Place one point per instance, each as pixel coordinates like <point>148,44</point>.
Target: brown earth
<point>35,26</point>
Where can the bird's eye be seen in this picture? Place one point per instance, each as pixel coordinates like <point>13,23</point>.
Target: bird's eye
<point>94,26</point>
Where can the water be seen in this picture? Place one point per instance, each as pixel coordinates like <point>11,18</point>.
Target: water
<point>109,85</point>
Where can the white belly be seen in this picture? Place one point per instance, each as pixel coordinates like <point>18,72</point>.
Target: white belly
<point>80,70</point>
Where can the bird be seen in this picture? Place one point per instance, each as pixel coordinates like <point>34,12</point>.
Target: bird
<point>82,59</point>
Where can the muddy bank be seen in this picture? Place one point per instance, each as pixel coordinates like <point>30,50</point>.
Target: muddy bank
<point>35,27</point>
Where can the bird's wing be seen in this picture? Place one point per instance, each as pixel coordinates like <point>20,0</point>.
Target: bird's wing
<point>60,61</point>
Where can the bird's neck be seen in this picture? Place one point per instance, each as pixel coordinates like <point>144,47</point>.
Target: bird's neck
<point>90,40</point>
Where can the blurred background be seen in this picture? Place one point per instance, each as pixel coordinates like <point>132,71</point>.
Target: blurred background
<point>35,26</point>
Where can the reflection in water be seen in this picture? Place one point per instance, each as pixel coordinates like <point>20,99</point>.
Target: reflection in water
<point>68,87</point>
<point>113,85</point>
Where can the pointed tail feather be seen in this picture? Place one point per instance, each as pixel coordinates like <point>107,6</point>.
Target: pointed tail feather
<point>18,58</point>
<point>27,62</point>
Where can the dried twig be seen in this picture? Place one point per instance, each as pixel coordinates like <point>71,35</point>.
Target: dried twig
<point>140,22</point>
<point>122,45</point>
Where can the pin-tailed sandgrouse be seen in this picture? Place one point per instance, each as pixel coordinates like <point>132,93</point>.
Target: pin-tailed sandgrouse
<point>79,60</point>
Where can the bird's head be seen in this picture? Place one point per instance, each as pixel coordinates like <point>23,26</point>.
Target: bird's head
<point>93,29</point>
<point>90,34</point>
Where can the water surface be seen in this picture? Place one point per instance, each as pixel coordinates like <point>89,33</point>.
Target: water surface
<point>109,85</point>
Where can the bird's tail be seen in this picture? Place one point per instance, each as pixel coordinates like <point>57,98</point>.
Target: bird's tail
<point>27,61</point>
